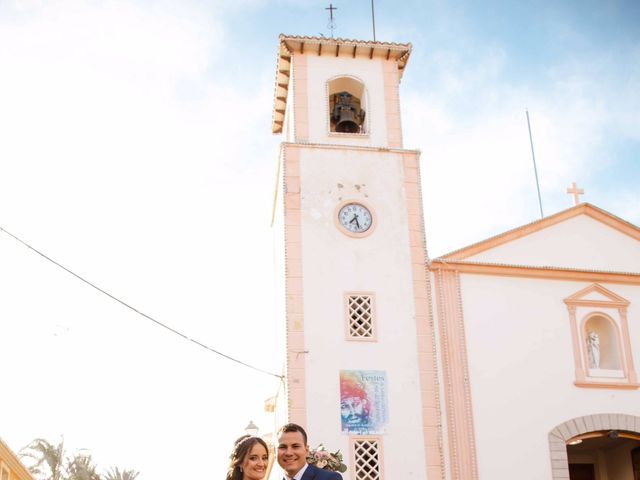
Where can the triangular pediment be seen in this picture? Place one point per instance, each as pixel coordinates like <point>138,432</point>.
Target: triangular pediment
<point>596,294</point>
<point>583,237</point>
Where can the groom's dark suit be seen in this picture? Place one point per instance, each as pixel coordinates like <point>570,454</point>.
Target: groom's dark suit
<point>315,473</point>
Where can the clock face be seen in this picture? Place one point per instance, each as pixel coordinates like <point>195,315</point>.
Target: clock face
<point>355,218</point>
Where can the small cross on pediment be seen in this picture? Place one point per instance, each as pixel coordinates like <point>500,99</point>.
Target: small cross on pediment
<point>576,192</point>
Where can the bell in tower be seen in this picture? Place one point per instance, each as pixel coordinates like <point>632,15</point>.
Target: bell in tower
<point>347,116</point>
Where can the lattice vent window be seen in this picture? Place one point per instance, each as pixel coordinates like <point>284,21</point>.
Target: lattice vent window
<point>367,459</point>
<point>360,316</point>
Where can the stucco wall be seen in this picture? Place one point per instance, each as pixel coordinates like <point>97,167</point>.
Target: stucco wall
<point>521,368</point>
<point>575,243</point>
<point>335,263</point>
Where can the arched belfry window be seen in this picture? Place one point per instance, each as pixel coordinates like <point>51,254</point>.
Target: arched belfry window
<point>347,106</point>
<point>601,343</point>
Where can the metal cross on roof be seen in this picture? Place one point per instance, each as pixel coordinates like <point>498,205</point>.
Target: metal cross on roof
<point>576,192</point>
<point>332,22</point>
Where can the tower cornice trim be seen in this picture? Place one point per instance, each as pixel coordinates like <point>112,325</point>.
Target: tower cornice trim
<point>291,45</point>
<point>333,146</point>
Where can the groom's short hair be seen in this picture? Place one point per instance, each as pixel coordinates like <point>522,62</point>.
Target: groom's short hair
<point>293,427</point>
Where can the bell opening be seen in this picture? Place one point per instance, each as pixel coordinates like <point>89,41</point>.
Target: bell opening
<point>346,112</point>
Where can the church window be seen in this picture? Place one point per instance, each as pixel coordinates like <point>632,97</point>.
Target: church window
<point>347,106</point>
<point>360,316</point>
<point>367,453</point>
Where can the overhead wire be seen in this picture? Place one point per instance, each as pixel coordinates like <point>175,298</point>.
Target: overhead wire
<point>148,317</point>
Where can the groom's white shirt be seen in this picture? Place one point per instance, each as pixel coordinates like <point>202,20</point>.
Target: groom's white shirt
<point>298,476</point>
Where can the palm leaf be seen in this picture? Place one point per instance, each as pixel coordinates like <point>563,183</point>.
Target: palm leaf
<point>116,474</point>
<point>45,454</point>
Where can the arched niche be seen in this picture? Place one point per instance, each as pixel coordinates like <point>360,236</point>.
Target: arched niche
<point>596,309</point>
<point>602,344</point>
<point>347,105</point>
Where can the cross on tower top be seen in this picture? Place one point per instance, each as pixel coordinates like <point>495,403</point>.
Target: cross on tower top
<point>576,192</point>
<point>332,23</point>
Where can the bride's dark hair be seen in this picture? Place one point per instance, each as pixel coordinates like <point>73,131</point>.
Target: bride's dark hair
<point>241,447</point>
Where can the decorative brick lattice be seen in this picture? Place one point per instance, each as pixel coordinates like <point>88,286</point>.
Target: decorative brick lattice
<point>367,459</point>
<point>360,311</point>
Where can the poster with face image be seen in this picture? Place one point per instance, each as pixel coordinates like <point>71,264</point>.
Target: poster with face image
<point>363,401</point>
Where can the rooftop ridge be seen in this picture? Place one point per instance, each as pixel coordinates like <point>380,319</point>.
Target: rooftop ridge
<point>583,208</point>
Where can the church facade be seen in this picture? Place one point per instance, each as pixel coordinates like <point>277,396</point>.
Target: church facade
<point>538,329</point>
<point>511,358</point>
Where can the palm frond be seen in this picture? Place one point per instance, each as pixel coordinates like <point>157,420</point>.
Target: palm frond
<point>116,474</point>
<point>81,467</point>
<point>46,454</point>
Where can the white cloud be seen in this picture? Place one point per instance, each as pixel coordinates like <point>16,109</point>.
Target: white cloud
<point>127,160</point>
<point>470,123</point>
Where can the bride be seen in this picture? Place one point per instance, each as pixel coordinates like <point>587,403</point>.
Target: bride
<point>249,459</point>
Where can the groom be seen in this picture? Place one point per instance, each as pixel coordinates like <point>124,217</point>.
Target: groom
<point>292,456</point>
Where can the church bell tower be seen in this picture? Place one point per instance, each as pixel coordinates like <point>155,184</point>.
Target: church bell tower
<point>361,371</point>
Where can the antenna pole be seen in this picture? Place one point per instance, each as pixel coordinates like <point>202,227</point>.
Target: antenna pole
<point>373,21</point>
<point>535,169</point>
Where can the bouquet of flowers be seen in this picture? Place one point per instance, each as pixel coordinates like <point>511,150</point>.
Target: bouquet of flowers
<point>322,458</point>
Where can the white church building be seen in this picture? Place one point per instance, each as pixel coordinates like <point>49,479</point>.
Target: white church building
<point>510,358</point>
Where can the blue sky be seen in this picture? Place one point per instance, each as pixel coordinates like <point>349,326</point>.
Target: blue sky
<point>574,65</point>
<point>135,149</point>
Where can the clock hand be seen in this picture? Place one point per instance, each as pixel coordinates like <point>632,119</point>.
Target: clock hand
<point>354,219</point>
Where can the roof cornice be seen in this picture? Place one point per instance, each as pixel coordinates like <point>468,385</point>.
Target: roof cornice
<point>582,209</point>
<point>291,45</point>
<point>532,271</point>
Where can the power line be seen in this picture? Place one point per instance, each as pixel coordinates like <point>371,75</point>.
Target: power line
<point>148,317</point>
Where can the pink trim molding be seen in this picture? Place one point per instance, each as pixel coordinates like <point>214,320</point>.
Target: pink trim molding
<point>293,284</point>
<point>548,273</point>
<point>427,361</point>
<point>301,101</point>
<point>392,104</point>
<point>462,447</point>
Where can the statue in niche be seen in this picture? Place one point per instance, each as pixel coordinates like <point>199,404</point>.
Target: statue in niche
<point>593,347</point>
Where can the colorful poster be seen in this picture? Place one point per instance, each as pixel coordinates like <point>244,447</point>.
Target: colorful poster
<point>363,401</point>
